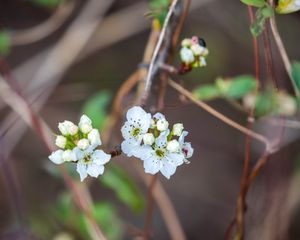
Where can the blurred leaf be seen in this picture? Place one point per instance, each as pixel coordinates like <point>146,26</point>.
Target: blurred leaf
<point>47,3</point>
<point>95,108</point>
<point>262,14</point>
<point>159,9</point>
<point>240,86</point>
<point>265,104</point>
<point>125,188</point>
<point>207,92</point>
<point>107,217</point>
<point>255,3</point>
<point>5,42</point>
<point>296,73</point>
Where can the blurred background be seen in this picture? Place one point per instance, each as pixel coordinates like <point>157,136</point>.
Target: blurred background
<point>70,57</point>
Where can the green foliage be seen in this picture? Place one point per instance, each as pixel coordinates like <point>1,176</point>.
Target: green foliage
<point>47,3</point>
<point>207,92</point>
<point>240,86</point>
<point>262,14</point>
<point>159,9</point>
<point>5,42</point>
<point>255,3</point>
<point>265,104</point>
<point>124,187</point>
<point>104,213</point>
<point>296,73</point>
<point>95,108</point>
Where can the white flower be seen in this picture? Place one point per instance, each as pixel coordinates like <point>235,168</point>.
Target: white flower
<point>159,159</point>
<point>186,147</point>
<point>69,156</point>
<point>56,157</point>
<point>288,6</point>
<point>92,164</point>
<point>173,146</point>
<point>186,42</point>
<point>67,128</point>
<point>94,137</point>
<point>85,124</point>
<point>148,139</point>
<point>83,144</point>
<point>202,62</point>
<point>197,49</point>
<point>137,124</point>
<point>187,55</point>
<point>177,129</point>
<point>60,141</point>
<point>162,125</point>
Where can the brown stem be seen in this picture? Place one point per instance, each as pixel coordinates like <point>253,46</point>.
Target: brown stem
<point>150,206</point>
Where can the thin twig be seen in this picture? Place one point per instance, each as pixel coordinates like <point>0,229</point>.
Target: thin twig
<point>220,116</point>
<point>148,80</point>
<point>282,51</point>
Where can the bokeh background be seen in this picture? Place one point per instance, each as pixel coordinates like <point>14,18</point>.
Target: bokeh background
<point>34,203</point>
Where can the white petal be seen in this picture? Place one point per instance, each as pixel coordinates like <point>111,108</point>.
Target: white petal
<point>126,130</point>
<point>162,139</point>
<point>99,157</point>
<point>95,170</point>
<point>187,150</point>
<point>78,153</point>
<point>128,147</point>
<point>94,137</point>
<point>137,115</point>
<point>85,120</point>
<point>142,152</point>
<point>167,169</point>
<point>159,116</point>
<point>152,165</point>
<point>175,159</point>
<point>81,169</point>
<point>182,136</point>
<point>56,157</point>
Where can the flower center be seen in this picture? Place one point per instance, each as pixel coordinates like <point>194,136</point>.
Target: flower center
<point>135,132</point>
<point>160,153</point>
<point>87,159</point>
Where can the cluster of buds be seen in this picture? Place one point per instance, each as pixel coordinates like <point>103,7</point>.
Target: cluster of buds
<point>193,52</point>
<point>150,139</point>
<point>78,144</point>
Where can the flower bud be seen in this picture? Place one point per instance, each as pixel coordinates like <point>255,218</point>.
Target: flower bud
<point>173,146</point>
<point>83,144</point>
<point>56,157</point>
<point>162,125</point>
<point>94,137</point>
<point>249,101</point>
<point>73,129</point>
<point>86,128</point>
<point>287,104</point>
<point>186,42</point>
<point>187,55</point>
<point>67,128</point>
<point>177,129</point>
<point>148,139</point>
<point>197,49</point>
<point>69,156</point>
<point>60,141</point>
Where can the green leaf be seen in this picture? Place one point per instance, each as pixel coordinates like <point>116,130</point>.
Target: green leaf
<point>265,104</point>
<point>47,3</point>
<point>296,73</point>
<point>158,4</point>
<point>254,3</point>
<point>95,108</point>
<point>262,14</point>
<point>159,9</point>
<point>207,92</point>
<point>5,42</point>
<point>124,187</point>
<point>240,86</point>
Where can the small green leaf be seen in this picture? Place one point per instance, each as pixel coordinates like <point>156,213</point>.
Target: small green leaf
<point>254,3</point>
<point>95,108</point>
<point>159,9</point>
<point>124,187</point>
<point>207,92</point>
<point>240,86</point>
<point>5,42</point>
<point>265,104</point>
<point>296,73</point>
<point>262,14</point>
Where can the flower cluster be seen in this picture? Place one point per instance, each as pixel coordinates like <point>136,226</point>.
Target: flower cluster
<point>78,144</point>
<point>193,52</point>
<point>150,139</point>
